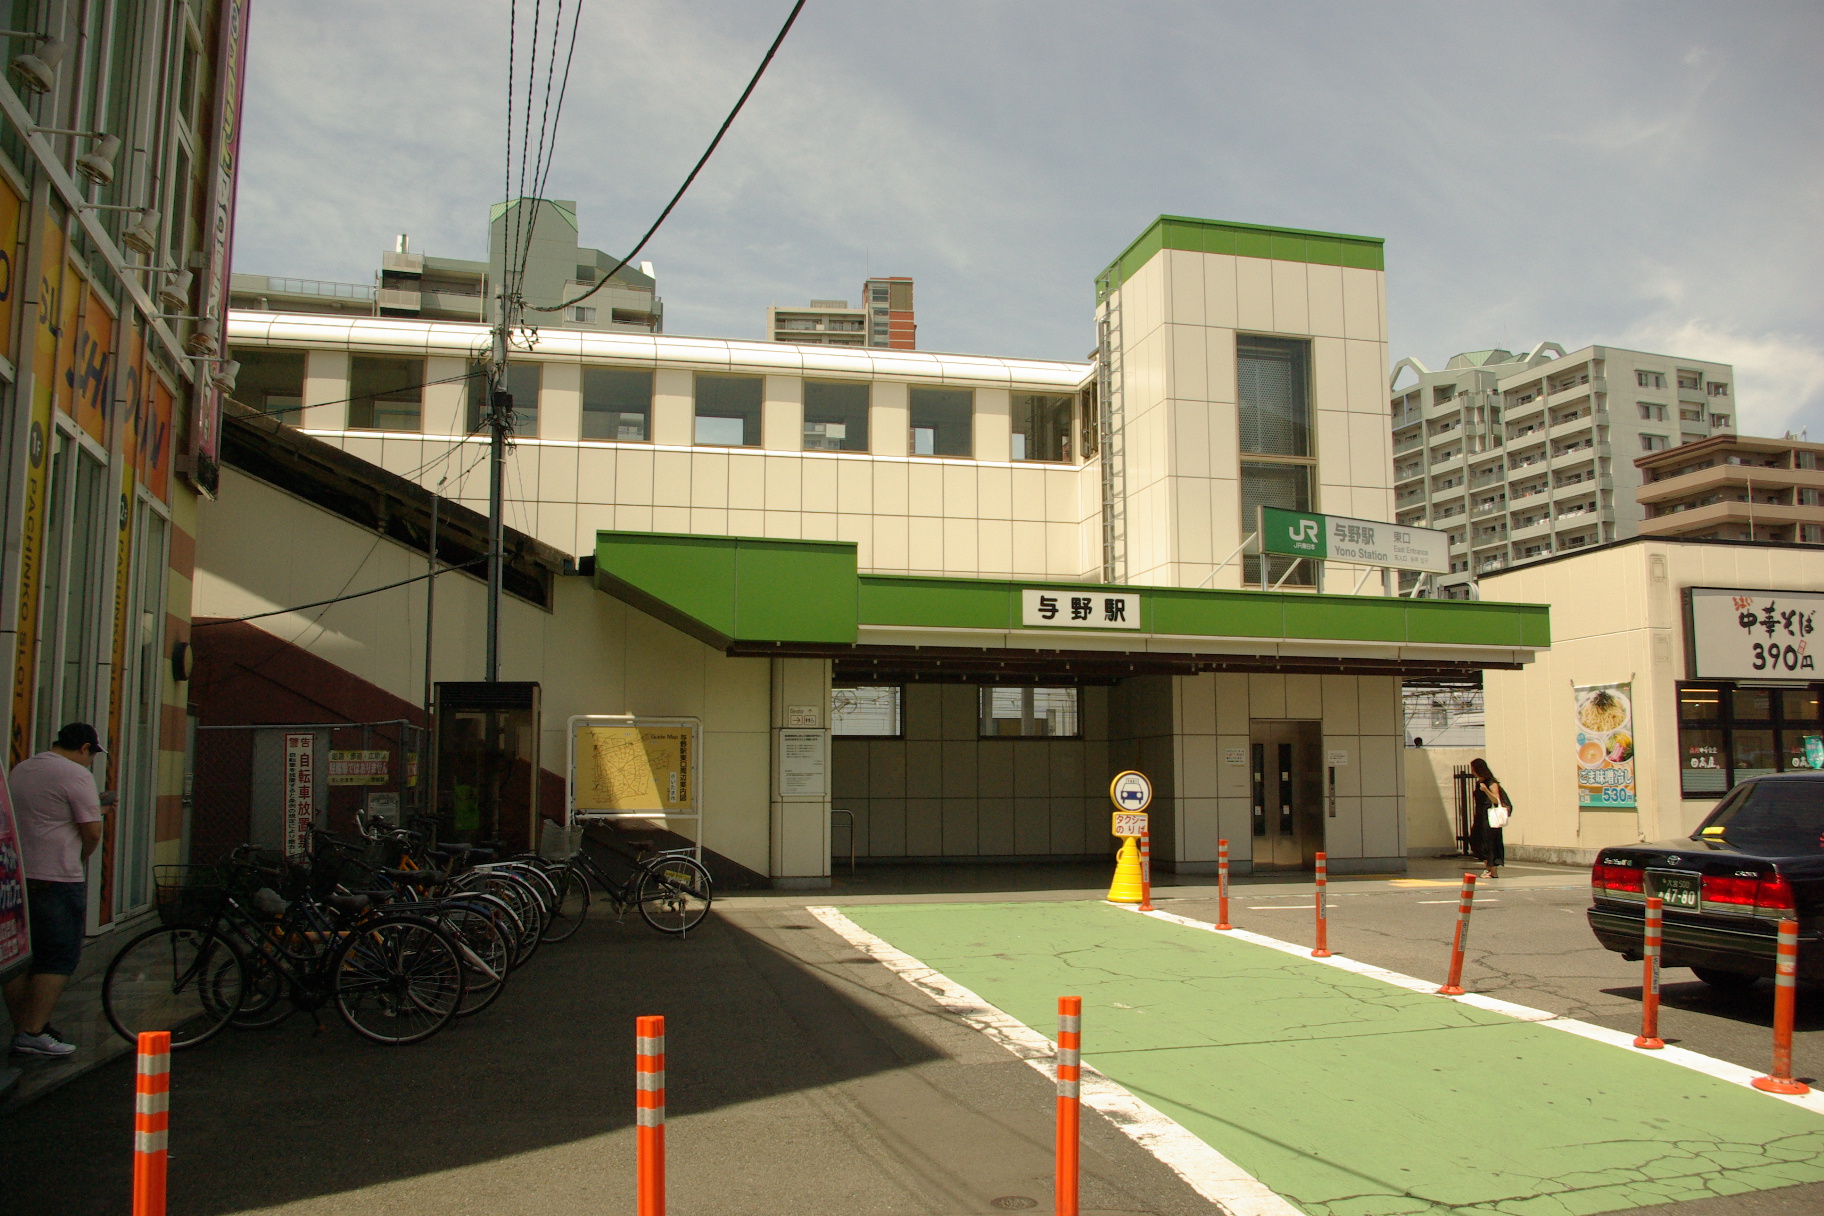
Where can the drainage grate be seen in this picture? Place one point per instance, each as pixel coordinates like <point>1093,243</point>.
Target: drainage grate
<point>1013,1203</point>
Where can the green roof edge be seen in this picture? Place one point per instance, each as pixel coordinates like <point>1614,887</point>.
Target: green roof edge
<point>1246,240</point>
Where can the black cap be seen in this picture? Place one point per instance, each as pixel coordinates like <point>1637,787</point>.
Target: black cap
<point>75,734</point>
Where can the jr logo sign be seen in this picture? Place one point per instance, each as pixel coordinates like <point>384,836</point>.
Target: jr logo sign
<point>1304,533</point>
<point>1295,533</point>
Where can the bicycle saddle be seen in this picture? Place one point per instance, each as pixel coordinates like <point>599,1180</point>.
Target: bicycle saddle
<point>349,903</point>
<point>415,878</point>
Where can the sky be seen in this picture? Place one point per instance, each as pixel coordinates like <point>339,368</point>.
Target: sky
<point>1640,174</point>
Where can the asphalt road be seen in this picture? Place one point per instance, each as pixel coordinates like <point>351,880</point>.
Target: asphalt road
<point>1528,943</point>
<point>802,1078</point>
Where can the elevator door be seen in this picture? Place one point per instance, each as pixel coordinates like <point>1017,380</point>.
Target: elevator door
<point>1288,808</point>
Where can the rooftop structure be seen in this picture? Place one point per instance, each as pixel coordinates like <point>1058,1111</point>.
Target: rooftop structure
<point>883,319</point>
<point>1519,456</point>
<point>1732,487</point>
<point>538,236</point>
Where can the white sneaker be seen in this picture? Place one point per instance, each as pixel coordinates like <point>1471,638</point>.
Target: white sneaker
<point>41,1045</point>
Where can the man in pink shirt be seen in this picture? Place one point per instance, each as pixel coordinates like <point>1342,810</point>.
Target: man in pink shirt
<point>58,814</point>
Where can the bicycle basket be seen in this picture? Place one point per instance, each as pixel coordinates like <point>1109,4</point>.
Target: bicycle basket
<point>187,895</point>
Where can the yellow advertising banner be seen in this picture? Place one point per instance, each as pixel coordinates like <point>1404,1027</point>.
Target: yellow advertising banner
<point>634,768</point>
<point>38,441</point>
<point>10,207</point>
<point>91,344</point>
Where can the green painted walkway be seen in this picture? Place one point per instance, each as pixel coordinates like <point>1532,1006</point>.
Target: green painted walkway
<point>1352,1097</point>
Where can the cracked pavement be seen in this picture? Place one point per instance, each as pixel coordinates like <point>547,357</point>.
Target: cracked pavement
<point>1353,1097</point>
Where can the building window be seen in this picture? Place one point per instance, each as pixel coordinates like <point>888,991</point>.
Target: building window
<point>728,410</point>
<point>1029,713</point>
<point>523,382</point>
<point>1717,389</point>
<point>1728,733</point>
<point>1650,379</point>
<point>584,313</point>
<point>943,421</point>
<point>867,711</point>
<point>1650,412</point>
<point>1811,534</point>
<point>617,404</point>
<point>271,381</point>
<point>1804,460</point>
<point>71,609</point>
<point>1041,426</point>
<point>1279,484</point>
<point>1719,422</point>
<point>1690,380</point>
<point>835,416</point>
<point>1273,387</point>
<point>1654,443</point>
<point>1089,422</point>
<point>385,394</point>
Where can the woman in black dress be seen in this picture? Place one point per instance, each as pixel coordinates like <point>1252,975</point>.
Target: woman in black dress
<point>1485,839</point>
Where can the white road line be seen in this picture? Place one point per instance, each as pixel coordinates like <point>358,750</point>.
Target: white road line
<point>1722,1070</point>
<point>1283,907</point>
<point>1205,1170</point>
<point>1452,901</point>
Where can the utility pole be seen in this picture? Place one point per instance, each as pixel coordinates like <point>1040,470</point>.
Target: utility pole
<point>500,418</point>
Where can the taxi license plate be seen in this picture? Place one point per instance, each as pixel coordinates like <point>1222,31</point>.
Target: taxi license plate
<point>1677,890</point>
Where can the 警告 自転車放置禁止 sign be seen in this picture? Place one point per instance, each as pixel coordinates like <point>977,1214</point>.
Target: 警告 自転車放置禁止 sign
<point>1361,542</point>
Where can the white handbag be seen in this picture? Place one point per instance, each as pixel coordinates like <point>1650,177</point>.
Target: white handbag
<point>1499,813</point>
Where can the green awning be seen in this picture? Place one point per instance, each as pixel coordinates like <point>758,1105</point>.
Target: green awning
<point>729,590</point>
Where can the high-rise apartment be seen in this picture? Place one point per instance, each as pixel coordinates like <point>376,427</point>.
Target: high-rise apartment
<point>537,236</point>
<point>1520,456</point>
<point>884,318</point>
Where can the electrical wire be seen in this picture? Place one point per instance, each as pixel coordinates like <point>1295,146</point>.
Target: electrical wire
<point>295,409</point>
<point>703,160</point>
<point>325,604</point>
<point>541,172</point>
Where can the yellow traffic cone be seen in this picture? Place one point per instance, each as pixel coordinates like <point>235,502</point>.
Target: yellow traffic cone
<point>1126,887</point>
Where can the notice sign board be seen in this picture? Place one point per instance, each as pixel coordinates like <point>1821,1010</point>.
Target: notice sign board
<point>626,765</point>
<point>1740,634</point>
<point>360,767</point>
<point>803,763</point>
<point>1365,542</point>
<point>1605,745</point>
<point>300,791</point>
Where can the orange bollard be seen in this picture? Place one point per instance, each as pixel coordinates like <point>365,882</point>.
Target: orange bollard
<point>1453,986</point>
<point>1785,980</point>
<point>1146,871</point>
<point>649,1114</point>
<point>151,1119</point>
<point>1653,934</point>
<point>1323,922</point>
<point>1222,885</point>
<point>1070,1074</point>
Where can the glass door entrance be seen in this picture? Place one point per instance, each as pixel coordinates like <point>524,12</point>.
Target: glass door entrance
<point>1287,794</point>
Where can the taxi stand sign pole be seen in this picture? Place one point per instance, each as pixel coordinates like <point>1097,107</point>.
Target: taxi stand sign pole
<point>1132,793</point>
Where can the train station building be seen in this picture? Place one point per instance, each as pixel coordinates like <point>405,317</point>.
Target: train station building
<point>989,584</point>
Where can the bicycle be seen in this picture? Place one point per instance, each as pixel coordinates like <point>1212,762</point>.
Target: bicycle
<point>395,977</point>
<point>670,887</point>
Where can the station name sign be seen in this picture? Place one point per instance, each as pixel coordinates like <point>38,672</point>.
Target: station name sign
<point>1735,633</point>
<point>1079,608</point>
<point>1364,542</point>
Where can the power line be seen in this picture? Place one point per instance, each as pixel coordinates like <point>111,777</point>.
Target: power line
<point>416,578</point>
<point>703,160</point>
<point>541,167</point>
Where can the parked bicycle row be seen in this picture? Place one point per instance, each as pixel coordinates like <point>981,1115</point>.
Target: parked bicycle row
<point>401,934</point>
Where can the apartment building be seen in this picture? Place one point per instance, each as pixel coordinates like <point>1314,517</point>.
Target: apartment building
<point>884,319</point>
<point>538,235</point>
<point>1731,487</point>
<point>1520,456</point>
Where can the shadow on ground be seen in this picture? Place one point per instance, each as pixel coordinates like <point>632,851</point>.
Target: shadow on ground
<point>275,1116</point>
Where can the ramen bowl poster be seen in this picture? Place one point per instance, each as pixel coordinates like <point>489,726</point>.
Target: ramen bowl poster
<point>1605,745</point>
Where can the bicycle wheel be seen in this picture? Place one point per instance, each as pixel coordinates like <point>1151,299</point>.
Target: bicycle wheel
<point>487,955</point>
<point>503,916</point>
<point>674,894</point>
<point>267,1002</point>
<point>397,980</point>
<point>179,978</point>
<point>525,903</point>
<point>572,905</point>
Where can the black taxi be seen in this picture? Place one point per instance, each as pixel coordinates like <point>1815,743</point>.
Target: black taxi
<point>1757,859</point>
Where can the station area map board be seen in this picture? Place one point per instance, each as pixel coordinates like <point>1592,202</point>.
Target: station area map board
<point>634,768</point>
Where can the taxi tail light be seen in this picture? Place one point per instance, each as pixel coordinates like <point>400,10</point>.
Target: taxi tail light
<point>1737,891</point>
<point>1775,898</point>
<point>1605,877</point>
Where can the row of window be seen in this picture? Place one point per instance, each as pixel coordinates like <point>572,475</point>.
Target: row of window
<point>387,394</point>
<point>878,712</point>
<point>1729,733</point>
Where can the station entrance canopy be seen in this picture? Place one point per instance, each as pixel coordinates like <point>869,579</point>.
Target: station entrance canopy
<point>795,598</point>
